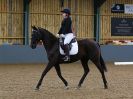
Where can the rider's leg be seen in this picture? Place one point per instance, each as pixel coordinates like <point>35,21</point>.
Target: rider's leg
<point>68,38</point>
<point>66,49</point>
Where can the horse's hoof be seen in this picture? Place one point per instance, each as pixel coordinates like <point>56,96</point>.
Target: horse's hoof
<point>78,87</point>
<point>36,89</point>
<point>66,87</point>
<point>106,87</point>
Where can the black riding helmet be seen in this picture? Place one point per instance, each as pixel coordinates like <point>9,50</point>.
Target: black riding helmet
<point>66,10</point>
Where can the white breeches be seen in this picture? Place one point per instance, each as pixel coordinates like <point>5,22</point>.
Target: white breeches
<point>68,37</point>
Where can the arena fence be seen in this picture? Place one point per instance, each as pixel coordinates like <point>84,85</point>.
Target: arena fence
<point>82,23</point>
<point>12,26</point>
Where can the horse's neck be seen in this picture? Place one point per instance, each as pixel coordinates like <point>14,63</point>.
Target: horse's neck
<point>49,43</point>
<point>50,47</point>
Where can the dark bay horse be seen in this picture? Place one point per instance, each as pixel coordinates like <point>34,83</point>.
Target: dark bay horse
<point>88,50</point>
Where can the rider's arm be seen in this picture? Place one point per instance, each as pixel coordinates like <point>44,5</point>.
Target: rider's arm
<point>60,31</point>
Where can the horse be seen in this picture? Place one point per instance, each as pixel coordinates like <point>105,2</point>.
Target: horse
<point>88,50</point>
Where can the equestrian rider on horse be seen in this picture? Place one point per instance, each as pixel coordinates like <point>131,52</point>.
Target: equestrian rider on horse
<point>66,32</point>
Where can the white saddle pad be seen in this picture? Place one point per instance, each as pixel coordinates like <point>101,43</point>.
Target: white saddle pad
<point>73,51</point>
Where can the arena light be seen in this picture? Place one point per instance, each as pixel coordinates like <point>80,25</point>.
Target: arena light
<point>123,63</point>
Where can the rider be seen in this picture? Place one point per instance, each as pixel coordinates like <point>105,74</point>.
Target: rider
<point>66,31</point>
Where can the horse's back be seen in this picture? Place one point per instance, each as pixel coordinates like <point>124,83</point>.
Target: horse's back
<point>88,45</point>
<point>88,42</point>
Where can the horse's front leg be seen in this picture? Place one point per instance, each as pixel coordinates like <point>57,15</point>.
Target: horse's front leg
<point>48,67</point>
<point>58,70</point>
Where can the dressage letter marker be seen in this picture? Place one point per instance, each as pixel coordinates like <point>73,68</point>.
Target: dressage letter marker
<point>123,63</point>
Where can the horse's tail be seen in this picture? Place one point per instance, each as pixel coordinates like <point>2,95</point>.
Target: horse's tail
<point>103,63</point>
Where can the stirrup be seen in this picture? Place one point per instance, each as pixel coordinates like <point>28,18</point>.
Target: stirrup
<point>66,58</point>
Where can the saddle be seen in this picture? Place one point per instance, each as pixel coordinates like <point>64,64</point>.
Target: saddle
<point>73,46</point>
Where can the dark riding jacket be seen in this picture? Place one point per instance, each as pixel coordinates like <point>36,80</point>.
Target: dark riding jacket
<point>66,26</point>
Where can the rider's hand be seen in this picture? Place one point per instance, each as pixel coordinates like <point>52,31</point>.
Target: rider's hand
<point>57,35</point>
<point>62,35</point>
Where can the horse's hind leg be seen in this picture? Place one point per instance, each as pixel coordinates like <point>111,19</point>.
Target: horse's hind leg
<point>58,70</point>
<point>86,71</point>
<point>97,63</point>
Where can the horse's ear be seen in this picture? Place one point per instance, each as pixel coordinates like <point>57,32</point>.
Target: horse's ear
<point>34,28</point>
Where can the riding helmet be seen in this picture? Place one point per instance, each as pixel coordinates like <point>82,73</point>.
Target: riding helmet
<point>66,10</point>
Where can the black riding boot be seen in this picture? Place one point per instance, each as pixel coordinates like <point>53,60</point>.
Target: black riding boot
<point>66,49</point>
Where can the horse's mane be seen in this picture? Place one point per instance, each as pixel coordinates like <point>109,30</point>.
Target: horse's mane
<point>50,35</point>
<point>49,38</point>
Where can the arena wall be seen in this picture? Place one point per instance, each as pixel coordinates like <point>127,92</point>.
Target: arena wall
<point>105,20</point>
<point>26,55</point>
<point>11,21</point>
<point>46,14</point>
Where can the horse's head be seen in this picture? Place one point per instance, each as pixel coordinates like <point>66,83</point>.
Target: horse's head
<point>35,38</point>
<point>41,34</point>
